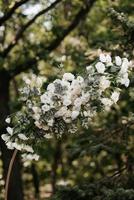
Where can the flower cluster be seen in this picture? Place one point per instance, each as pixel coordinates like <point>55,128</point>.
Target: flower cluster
<point>65,104</point>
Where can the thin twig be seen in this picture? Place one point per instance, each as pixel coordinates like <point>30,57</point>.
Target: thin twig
<point>9,173</point>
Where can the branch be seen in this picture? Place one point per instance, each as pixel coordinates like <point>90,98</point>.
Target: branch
<point>78,18</point>
<point>24,27</point>
<point>54,44</point>
<point>21,67</point>
<point>7,15</point>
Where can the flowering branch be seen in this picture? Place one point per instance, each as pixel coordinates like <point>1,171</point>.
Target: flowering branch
<point>65,104</point>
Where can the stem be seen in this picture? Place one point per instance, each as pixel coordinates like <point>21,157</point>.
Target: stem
<point>9,173</point>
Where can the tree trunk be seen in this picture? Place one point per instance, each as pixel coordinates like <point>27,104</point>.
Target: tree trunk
<point>15,185</point>
<point>35,181</point>
<point>57,157</point>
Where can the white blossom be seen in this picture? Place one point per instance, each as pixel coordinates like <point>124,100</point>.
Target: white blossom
<point>104,83</point>
<point>124,66</point>
<point>107,103</point>
<point>9,130</point>
<point>90,69</point>
<point>65,102</point>
<point>100,67</point>
<point>17,146</point>
<point>28,148</point>
<point>22,136</point>
<point>102,58</point>
<point>5,137</point>
<point>61,111</point>
<point>80,79</point>
<point>74,114</point>
<point>68,77</point>
<point>8,120</point>
<point>118,61</point>
<point>108,59</point>
<point>115,96</point>
<point>45,108</point>
<point>123,79</point>
<point>10,145</point>
<point>50,122</point>
<point>78,102</point>
<point>51,87</point>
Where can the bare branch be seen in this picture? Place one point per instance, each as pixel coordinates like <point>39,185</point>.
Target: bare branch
<point>54,44</point>
<point>22,67</point>
<point>78,18</point>
<point>24,27</point>
<point>7,15</point>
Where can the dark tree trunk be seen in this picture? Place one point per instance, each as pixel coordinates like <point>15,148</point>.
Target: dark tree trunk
<point>57,157</point>
<point>15,185</point>
<point>35,181</point>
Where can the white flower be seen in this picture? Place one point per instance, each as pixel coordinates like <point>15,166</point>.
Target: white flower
<point>27,81</point>
<point>36,116</point>
<point>80,79</point>
<point>5,137</point>
<point>90,69</point>
<point>50,122</point>
<point>107,103</point>
<point>115,96</point>
<point>100,67</point>
<point>28,148</point>
<point>45,98</point>
<point>30,157</point>
<point>36,109</point>
<point>74,114</point>
<point>104,83</point>
<point>22,136</point>
<point>37,124</point>
<point>63,58</point>
<point>61,112</point>
<point>87,113</point>
<point>102,57</point>
<point>48,136</point>
<point>108,59</point>
<point>78,102</point>
<point>124,80</point>
<point>66,101</point>
<point>9,145</point>
<point>9,130</point>
<point>124,66</point>
<point>39,82</point>
<point>67,114</point>
<point>85,97</point>
<point>68,77</point>
<point>51,87</point>
<point>118,61</point>
<point>75,88</point>
<point>45,108</point>
<point>8,120</point>
<point>45,127</point>
<point>36,157</point>
<point>17,146</point>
